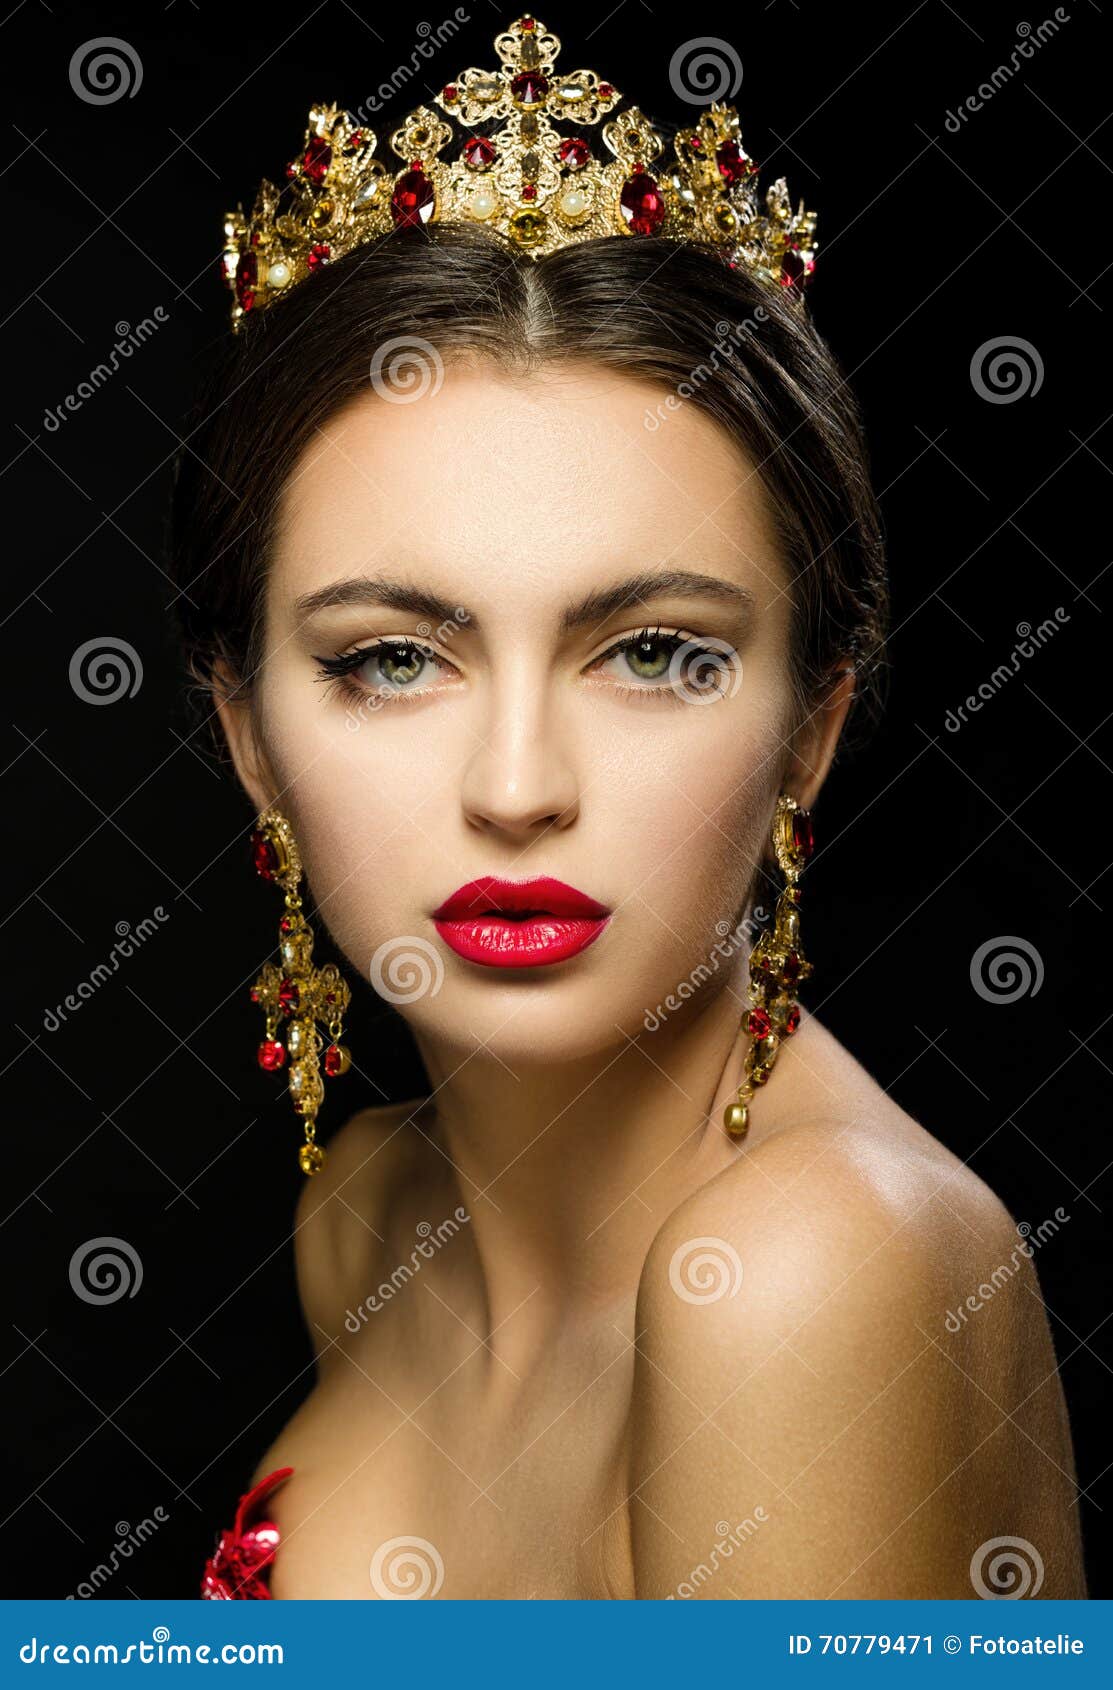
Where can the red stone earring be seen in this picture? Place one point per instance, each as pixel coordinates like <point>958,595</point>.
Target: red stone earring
<point>777,964</point>
<point>297,995</point>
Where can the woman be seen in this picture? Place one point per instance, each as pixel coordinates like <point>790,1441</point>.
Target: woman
<point>534,582</point>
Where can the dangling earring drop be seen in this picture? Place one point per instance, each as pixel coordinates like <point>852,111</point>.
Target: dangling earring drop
<point>777,964</point>
<point>297,995</point>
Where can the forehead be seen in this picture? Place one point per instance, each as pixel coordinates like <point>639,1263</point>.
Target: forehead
<point>543,481</point>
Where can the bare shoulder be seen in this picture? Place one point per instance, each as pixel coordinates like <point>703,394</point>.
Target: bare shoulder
<point>340,1218</point>
<point>809,1347</point>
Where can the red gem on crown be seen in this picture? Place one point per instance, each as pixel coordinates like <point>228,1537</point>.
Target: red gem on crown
<point>411,203</point>
<point>642,204</point>
<point>479,152</point>
<point>529,87</point>
<point>318,157</point>
<point>574,152</point>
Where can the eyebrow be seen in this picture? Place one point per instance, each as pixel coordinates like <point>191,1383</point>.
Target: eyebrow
<point>594,608</point>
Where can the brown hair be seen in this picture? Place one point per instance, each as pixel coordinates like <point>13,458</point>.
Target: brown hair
<point>671,313</point>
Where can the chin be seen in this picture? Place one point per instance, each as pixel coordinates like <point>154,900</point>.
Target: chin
<point>528,1018</point>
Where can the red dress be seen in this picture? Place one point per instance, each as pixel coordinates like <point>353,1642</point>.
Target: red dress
<point>240,1563</point>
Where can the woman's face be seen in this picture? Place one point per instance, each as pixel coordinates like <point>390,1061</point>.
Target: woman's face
<point>516,736</point>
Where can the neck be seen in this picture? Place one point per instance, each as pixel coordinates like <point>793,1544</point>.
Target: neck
<point>568,1169</point>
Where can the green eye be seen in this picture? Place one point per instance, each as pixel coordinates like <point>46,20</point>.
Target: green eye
<point>655,665</point>
<point>399,664</point>
<point>648,657</point>
<point>383,667</point>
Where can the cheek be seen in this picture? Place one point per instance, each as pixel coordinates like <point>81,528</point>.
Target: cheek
<point>689,824</point>
<point>367,805</point>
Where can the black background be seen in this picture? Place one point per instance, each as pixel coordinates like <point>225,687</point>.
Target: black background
<point>143,1116</point>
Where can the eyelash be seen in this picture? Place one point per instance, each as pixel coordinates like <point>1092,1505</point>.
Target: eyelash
<point>338,671</point>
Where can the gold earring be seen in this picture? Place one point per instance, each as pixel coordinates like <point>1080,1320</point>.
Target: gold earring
<point>777,964</point>
<point>297,994</point>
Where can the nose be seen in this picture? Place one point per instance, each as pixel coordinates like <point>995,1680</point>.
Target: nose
<point>520,779</point>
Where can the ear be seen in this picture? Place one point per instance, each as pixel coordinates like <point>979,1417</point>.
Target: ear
<point>237,721</point>
<point>816,740</point>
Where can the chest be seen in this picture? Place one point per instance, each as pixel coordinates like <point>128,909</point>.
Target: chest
<point>461,1493</point>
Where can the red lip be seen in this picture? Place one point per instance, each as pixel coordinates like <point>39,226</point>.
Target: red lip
<point>519,923</point>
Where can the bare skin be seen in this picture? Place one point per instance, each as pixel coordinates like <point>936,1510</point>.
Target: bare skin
<point>628,1338</point>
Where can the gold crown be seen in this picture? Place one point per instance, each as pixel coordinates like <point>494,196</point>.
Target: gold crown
<point>541,188</point>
